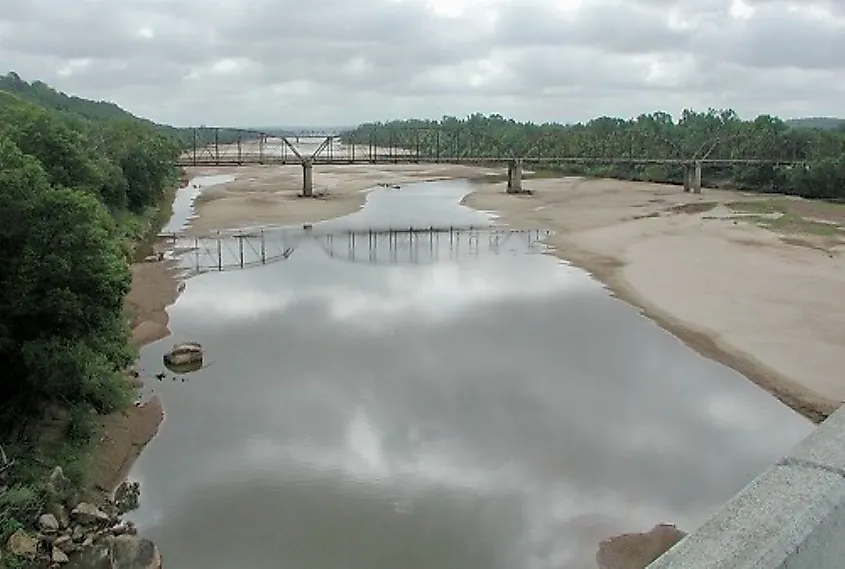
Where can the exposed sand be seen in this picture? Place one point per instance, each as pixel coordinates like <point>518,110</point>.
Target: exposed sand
<point>637,550</point>
<point>765,301</point>
<point>124,435</point>
<point>270,194</point>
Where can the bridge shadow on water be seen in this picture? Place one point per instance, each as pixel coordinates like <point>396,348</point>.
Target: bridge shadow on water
<point>385,246</point>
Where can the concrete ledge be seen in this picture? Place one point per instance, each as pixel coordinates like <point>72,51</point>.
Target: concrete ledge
<point>791,517</point>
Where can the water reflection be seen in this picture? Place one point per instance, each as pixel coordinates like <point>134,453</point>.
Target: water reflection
<point>498,412</point>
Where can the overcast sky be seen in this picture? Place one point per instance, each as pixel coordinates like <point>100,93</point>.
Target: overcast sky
<point>339,62</point>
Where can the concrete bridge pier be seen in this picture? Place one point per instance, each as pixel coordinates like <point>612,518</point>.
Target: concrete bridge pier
<point>307,178</point>
<point>696,178</point>
<point>515,177</point>
<point>692,177</point>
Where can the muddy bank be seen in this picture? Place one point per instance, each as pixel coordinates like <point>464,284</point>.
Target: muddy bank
<point>759,296</point>
<point>124,435</point>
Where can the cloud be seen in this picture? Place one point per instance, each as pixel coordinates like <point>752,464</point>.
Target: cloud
<point>271,62</point>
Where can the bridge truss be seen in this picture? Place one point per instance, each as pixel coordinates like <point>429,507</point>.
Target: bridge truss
<point>213,146</point>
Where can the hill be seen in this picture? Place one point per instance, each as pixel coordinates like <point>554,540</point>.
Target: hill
<point>71,106</point>
<point>825,123</point>
<point>45,96</point>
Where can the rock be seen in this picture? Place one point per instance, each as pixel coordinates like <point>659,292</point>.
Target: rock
<point>59,556</point>
<point>637,550</point>
<point>78,533</point>
<point>64,543</point>
<point>58,483</point>
<point>127,496</point>
<point>22,544</point>
<point>89,514</point>
<point>129,552</point>
<point>60,513</point>
<point>185,353</point>
<point>48,523</point>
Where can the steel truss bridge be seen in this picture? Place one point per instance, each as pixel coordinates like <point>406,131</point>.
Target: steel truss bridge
<point>243,250</point>
<point>218,146</point>
<point>212,146</point>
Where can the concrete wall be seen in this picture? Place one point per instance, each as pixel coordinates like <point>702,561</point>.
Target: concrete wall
<point>791,517</point>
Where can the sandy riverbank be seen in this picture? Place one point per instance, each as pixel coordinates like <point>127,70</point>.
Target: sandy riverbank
<point>766,301</point>
<point>270,194</point>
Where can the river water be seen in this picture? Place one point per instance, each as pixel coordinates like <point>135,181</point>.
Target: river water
<point>493,410</point>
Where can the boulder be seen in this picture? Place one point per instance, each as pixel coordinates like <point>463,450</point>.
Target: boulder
<point>89,514</point>
<point>130,552</point>
<point>58,483</point>
<point>59,556</point>
<point>64,543</point>
<point>181,354</point>
<point>60,513</point>
<point>48,523</point>
<point>22,544</point>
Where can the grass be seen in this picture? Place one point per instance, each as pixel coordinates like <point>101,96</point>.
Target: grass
<point>796,216</point>
<point>63,439</point>
<point>794,223</point>
<point>694,207</point>
<point>759,207</point>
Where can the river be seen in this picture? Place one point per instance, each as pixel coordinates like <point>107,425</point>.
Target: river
<point>492,410</point>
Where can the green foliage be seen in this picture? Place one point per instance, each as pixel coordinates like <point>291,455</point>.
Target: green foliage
<point>816,122</point>
<point>63,336</point>
<point>76,108</point>
<point>77,178</point>
<point>612,147</point>
<point>18,502</point>
<point>125,164</point>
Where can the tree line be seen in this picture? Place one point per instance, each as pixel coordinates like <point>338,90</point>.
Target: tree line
<point>74,192</point>
<point>75,108</point>
<point>808,162</point>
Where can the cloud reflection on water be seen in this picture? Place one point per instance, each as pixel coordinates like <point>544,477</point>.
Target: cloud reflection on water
<point>496,413</point>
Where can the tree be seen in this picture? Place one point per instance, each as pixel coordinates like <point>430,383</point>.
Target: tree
<point>611,147</point>
<point>63,336</point>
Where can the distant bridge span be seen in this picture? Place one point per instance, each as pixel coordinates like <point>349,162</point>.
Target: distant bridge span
<point>215,147</point>
<point>243,250</point>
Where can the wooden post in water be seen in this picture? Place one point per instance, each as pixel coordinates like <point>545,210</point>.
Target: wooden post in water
<point>263,249</point>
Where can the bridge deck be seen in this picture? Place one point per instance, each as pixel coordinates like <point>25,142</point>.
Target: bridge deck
<point>388,159</point>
